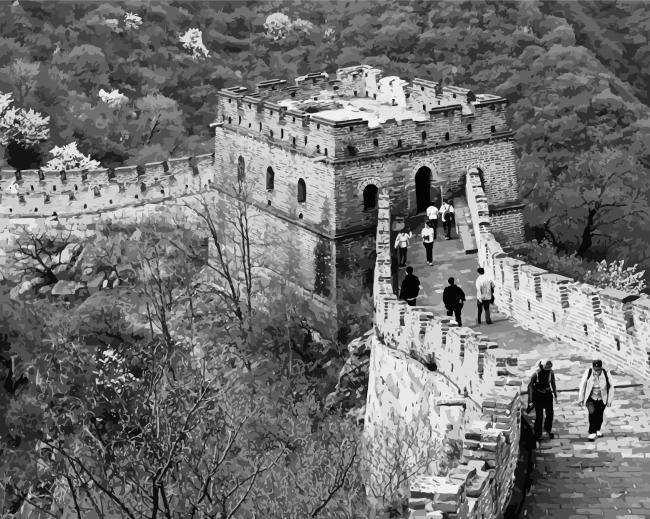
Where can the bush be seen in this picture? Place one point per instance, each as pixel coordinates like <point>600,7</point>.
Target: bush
<point>601,274</point>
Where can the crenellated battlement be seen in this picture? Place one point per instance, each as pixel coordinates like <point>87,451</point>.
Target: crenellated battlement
<point>39,193</point>
<point>361,112</point>
<point>451,380</point>
<point>612,324</point>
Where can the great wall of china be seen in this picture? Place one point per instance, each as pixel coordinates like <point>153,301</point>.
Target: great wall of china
<point>472,396</point>
<point>455,382</point>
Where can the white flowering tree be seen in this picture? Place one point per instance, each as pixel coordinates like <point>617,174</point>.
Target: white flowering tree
<point>113,98</point>
<point>277,26</point>
<point>192,41</point>
<point>69,157</point>
<point>616,275</point>
<point>132,20</point>
<point>302,26</point>
<point>26,127</point>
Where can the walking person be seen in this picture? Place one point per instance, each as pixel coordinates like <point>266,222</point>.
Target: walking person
<point>447,212</point>
<point>410,287</point>
<point>541,393</point>
<point>427,241</point>
<point>453,298</point>
<point>402,244</point>
<point>484,294</point>
<point>432,219</point>
<point>596,393</point>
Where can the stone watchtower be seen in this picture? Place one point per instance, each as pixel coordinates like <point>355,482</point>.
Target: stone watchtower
<point>315,154</point>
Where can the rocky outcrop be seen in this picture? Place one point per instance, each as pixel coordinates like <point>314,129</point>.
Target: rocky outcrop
<point>349,395</point>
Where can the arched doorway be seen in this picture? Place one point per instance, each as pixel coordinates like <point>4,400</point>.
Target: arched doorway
<point>423,188</point>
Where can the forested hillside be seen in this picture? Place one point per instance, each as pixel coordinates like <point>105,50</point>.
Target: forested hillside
<point>128,83</point>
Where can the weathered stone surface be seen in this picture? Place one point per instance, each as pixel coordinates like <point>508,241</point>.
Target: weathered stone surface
<point>65,288</point>
<point>96,283</point>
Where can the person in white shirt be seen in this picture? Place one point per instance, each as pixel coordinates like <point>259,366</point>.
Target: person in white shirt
<point>447,212</point>
<point>484,291</point>
<point>427,241</point>
<point>401,244</point>
<point>596,393</point>
<point>432,219</point>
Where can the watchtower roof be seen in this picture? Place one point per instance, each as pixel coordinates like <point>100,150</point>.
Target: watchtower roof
<point>362,93</point>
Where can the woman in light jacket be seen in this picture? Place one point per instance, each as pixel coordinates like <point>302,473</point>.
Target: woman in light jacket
<point>596,393</point>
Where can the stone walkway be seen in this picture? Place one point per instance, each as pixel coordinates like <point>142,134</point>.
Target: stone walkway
<point>573,478</point>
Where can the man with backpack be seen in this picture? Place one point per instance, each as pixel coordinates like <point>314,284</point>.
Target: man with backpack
<point>541,393</point>
<point>596,393</point>
<point>447,211</point>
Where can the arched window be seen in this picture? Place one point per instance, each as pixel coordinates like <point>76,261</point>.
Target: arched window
<point>270,179</point>
<point>469,128</point>
<point>241,169</point>
<point>370,197</point>
<point>424,136</point>
<point>375,142</point>
<point>302,191</point>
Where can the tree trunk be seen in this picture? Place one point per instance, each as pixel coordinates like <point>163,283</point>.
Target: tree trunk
<point>587,233</point>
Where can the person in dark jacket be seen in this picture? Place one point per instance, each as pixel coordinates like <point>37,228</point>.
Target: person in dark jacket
<point>541,393</point>
<point>453,298</point>
<point>410,287</point>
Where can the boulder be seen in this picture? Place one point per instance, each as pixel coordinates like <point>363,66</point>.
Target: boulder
<point>22,288</point>
<point>60,269</point>
<point>67,288</point>
<point>96,283</point>
<point>45,290</point>
<point>69,252</point>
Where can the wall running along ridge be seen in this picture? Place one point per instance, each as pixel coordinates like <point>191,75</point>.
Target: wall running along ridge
<point>470,397</point>
<point>613,325</point>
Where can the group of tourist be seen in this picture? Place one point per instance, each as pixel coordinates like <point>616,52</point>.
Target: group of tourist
<point>446,214</point>
<point>453,296</point>
<point>596,389</point>
<point>595,392</point>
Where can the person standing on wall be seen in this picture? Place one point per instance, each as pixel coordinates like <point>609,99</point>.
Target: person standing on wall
<point>427,241</point>
<point>410,287</point>
<point>447,211</point>
<point>541,393</point>
<point>432,219</point>
<point>402,244</point>
<point>596,393</point>
<point>453,298</point>
<point>484,294</point>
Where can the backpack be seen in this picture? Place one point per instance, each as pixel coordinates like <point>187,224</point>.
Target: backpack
<point>536,381</point>
<point>606,377</point>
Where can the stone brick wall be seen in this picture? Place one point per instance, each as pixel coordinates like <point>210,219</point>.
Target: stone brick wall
<point>469,396</point>
<point>40,194</point>
<point>457,132</point>
<point>613,325</point>
<point>449,166</point>
<point>288,166</point>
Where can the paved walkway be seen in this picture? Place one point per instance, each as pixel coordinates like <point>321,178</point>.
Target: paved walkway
<point>573,478</point>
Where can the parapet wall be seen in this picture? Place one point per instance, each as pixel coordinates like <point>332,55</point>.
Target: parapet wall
<point>451,115</point>
<point>38,193</point>
<point>451,367</point>
<point>612,324</point>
